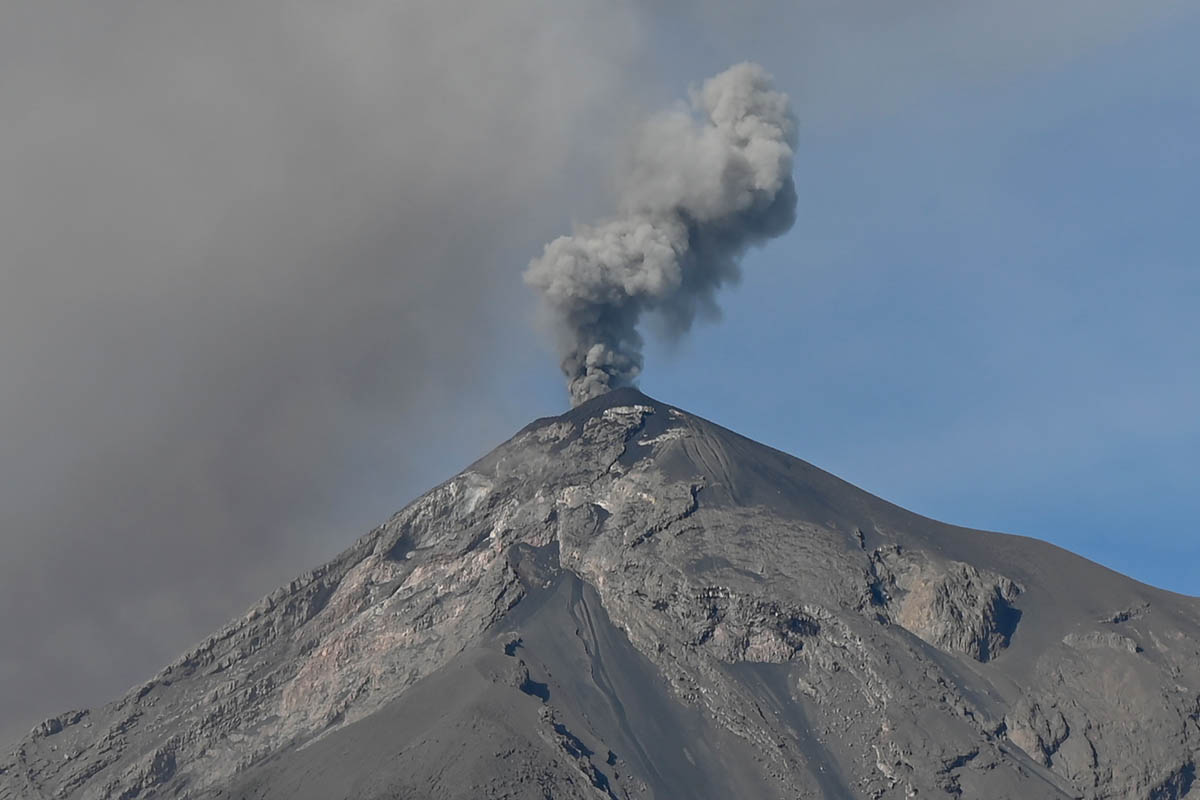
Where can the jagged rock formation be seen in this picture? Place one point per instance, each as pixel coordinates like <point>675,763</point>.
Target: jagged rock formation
<point>630,602</point>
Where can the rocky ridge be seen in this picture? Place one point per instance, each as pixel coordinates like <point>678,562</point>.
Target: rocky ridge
<point>628,563</point>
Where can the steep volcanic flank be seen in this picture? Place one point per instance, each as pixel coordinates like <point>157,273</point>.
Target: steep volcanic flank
<point>630,602</point>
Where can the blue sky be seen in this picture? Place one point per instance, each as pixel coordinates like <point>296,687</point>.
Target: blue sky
<point>986,311</point>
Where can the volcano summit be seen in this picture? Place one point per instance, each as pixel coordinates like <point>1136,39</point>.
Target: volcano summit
<point>627,601</point>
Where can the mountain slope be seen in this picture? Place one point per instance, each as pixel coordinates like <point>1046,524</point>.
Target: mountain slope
<point>629,601</point>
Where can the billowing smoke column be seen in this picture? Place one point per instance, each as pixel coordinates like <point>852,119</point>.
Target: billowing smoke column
<point>705,184</point>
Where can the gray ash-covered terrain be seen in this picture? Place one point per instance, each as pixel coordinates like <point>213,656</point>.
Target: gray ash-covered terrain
<point>630,602</point>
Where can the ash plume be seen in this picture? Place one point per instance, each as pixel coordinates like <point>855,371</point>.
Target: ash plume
<point>705,183</point>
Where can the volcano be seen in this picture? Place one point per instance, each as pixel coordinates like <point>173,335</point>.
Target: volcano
<point>628,601</point>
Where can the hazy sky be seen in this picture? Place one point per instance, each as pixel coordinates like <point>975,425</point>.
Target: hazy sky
<point>260,280</point>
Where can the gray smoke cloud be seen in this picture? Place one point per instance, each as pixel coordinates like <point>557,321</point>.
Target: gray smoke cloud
<point>705,183</point>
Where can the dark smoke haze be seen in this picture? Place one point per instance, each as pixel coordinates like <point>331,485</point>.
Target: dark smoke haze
<point>251,260</point>
<point>703,185</point>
